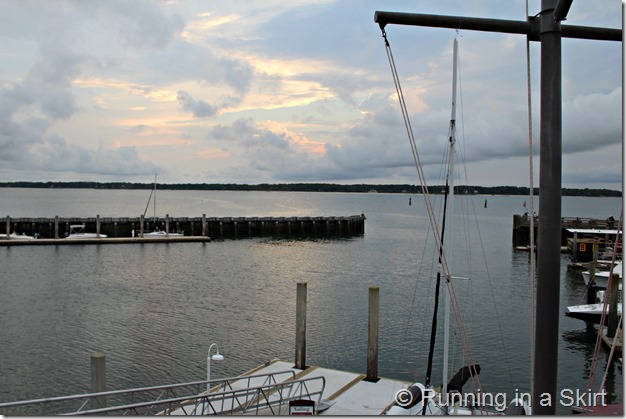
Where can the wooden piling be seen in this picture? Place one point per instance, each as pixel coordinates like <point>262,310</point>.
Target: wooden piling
<point>575,247</point>
<point>56,226</point>
<point>613,290</point>
<point>141,219</point>
<point>8,226</point>
<point>372,336</point>
<point>98,379</point>
<point>98,225</point>
<point>301,326</point>
<point>167,224</point>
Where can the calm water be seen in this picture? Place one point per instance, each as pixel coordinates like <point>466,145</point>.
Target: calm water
<point>154,309</point>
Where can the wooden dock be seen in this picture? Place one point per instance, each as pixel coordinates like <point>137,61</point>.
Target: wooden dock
<point>579,236</point>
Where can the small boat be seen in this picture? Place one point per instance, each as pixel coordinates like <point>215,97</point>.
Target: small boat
<point>77,231</point>
<point>23,236</point>
<point>592,313</point>
<point>160,233</point>
<point>602,277</point>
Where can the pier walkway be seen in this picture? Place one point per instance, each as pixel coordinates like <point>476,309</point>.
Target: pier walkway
<point>269,389</point>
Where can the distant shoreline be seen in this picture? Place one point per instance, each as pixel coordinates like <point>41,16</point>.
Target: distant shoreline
<point>310,187</point>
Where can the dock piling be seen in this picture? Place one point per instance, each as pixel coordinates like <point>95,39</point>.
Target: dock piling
<point>611,324</point>
<point>8,227</point>
<point>301,326</point>
<point>98,379</point>
<point>372,338</point>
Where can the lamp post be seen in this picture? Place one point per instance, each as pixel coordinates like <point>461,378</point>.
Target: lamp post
<point>217,357</point>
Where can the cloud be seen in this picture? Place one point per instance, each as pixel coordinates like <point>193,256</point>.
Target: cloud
<point>268,151</point>
<point>140,24</point>
<point>287,91</point>
<point>236,73</point>
<point>592,121</point>
<point>199,108</point>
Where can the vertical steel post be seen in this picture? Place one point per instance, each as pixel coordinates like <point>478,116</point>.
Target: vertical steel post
<point>549,240</point>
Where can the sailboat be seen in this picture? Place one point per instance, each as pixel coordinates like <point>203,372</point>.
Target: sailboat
<point>156,233</point>
<point>422,399</point>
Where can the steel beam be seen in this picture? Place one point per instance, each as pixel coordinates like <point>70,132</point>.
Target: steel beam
<point>493,25</point>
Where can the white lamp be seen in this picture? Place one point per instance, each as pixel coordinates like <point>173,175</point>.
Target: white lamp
<point>217,357</point>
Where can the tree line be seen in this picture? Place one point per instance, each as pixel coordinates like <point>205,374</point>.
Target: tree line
<point>312,187</point>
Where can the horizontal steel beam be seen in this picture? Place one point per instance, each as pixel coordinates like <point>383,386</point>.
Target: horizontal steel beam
<point>492,25</point>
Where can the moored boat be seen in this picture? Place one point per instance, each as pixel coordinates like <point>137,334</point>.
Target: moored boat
<point>601,278</point>
<point>161,233</point>
<point>77,232</point>
<point>23,236</point>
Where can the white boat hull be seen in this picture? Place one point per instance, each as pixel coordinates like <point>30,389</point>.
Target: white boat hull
<point>591,313</point>
<point>82,236</point>
<point>160,234</point>
<point>15,236</point>
<point>602,277</point>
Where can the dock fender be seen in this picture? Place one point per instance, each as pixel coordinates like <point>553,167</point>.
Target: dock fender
<point>408,401</point>
<point>518,407</point>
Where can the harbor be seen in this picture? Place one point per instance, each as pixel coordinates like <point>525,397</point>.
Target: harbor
<point>155,309</point>
<point>193,94</point>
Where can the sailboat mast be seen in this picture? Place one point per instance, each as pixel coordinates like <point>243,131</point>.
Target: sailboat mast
<point>448,196</point>
<point>154,201</point>
<point>450,176</point>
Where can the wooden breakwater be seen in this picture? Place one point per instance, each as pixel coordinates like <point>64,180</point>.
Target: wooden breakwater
<point>214,227</point>
<point>521,227</point>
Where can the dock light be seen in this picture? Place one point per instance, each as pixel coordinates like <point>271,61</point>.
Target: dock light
<point>217,357</point>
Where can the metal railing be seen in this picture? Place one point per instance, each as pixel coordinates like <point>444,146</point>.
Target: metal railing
<point>264,394</point>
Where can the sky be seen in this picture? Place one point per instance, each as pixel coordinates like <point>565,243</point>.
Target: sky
<point>285,91</point>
